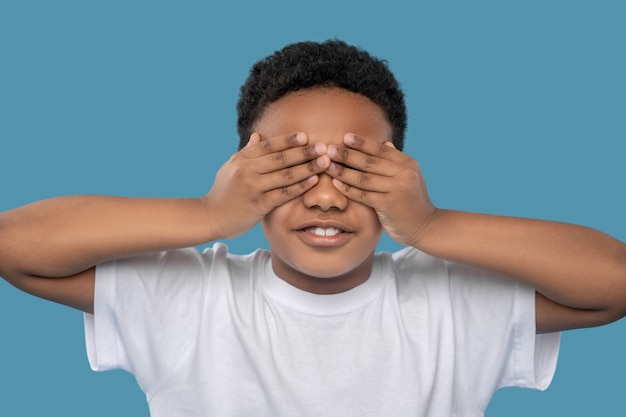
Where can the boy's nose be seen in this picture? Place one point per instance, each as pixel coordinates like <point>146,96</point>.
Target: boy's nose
<point>325,195</point>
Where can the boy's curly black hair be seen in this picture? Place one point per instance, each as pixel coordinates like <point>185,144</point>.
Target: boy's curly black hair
<point>332,63</point>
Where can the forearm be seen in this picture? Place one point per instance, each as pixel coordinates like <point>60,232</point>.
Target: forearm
<point>65,235</point>
<point>572,265</point>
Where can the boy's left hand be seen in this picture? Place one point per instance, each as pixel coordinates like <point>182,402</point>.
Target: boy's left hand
<point>387,180</point>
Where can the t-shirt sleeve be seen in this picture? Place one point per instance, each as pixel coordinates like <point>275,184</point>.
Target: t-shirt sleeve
<point>145,311</point>
<point>533,357</point>
<point>499,329</point>
<point>480,324</point>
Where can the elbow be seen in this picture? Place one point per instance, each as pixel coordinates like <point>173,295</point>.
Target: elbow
<point>610,294</point>
<point>620,310</point>
<point>613,315</point>
<point>616,313</point>
<point>618,290</point>
<point>9,249</point>
<point>5,250</point>
<point>622,280</point>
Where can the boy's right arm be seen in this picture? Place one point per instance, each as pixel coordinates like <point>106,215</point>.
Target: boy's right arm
<point>50,248</point>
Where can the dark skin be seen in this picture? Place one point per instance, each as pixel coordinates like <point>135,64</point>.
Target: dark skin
<point>579,273</point>
<point>337,164</point>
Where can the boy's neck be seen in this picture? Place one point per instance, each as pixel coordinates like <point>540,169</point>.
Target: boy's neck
<point>323,285</point>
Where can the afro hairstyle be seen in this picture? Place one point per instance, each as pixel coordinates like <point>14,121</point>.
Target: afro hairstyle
<point>307,65</point>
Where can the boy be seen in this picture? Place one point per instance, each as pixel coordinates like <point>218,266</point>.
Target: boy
<point>319,325</point>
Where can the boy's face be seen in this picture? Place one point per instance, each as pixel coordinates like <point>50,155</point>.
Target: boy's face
<point>301,254</point>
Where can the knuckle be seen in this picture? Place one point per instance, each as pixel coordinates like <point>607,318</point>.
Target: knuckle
<point>384,149</point>
<point>411,175</point>
<point>238,170</point>
<point>267,145</point>
<point>285,191</point>
<point>279,157</point>
<point>340,169</point>
<point>233,160</point>
<point>292,140</point>
<point>370,161</point>
<point>363,178</point>
<point>288,174</point>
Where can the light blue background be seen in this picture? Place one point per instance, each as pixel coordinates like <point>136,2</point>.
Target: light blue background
<point>515,108</point>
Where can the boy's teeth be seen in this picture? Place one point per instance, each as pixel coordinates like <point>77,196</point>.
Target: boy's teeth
<point>319,231</point>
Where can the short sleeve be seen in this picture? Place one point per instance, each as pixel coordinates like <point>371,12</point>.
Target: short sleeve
<point>496,337</point>
<point>533,358</point>
<point>145,311</point>
<point>480,324</point>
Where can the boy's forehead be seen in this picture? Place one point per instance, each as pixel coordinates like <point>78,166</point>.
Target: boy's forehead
<point>325,115</point>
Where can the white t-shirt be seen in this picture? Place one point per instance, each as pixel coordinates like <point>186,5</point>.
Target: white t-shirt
<point>216,334</point>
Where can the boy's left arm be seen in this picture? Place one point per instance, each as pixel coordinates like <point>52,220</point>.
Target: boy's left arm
<point>579,273</point>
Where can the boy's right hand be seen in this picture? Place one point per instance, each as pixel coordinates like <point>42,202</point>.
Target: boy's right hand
<point>265,174</point>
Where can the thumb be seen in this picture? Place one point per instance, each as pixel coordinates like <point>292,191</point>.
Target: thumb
<point>254,139</point>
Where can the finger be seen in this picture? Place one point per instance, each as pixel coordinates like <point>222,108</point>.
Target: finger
<point>362,161</point>
<point>368,155</point>
<point>363,180</point>
<point>369,146</point>
<point>369,198</point>
<point>293,174</point>
<point>279,196</point>
<point>254,139</point>
<point>259,146</point>
<point>292,157</point>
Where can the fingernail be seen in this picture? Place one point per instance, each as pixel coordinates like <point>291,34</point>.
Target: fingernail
<point>301,138</point>
<point>322,161</point>
<point>349,138</point>
<point>332,151</point>
<point>320,148</point>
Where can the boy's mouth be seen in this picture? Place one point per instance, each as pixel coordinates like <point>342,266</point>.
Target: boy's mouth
<point>323,231</point>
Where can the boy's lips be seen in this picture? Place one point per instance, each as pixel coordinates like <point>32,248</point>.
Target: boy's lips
<point>324,233</point>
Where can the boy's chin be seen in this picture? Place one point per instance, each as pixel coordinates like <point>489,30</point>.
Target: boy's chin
<point>324,278</point>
